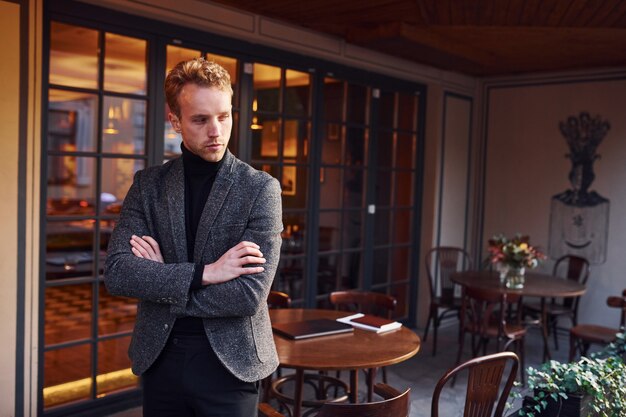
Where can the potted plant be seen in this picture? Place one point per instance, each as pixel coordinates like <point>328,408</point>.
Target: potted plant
<point>591,386</point>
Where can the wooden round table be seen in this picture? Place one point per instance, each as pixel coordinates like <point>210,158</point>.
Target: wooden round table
<point>535,285</point>
<point>360,349</point>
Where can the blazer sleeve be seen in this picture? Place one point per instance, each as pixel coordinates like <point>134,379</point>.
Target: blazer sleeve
<point>129,276</point>
<point>244,295</point>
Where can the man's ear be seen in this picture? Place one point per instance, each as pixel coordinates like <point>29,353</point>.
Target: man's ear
<point>174,121</point>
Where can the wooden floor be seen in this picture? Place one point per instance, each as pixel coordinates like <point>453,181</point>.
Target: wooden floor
<point>422,372</point>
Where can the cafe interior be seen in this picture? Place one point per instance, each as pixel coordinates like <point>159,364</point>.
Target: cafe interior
<point>409,138</point>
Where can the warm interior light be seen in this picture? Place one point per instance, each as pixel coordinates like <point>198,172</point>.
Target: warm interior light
<point>79,389</point>
<point>255,120</point>
<point>113,117</point>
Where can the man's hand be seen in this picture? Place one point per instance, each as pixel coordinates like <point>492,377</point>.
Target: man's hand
<point>231,264</point>
<point>146,247</point>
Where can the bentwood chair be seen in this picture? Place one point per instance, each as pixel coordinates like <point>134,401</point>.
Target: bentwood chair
<point>394,404</point>
<point>441,263</point>
<point>483,384</point>
<point>277,299</point>
<point>582,336</point>
<point>569,267</point>
<point>488,314</point>
<point>366,302</point>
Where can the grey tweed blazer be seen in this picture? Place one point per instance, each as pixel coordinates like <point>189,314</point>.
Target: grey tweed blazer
<point>244,204</point>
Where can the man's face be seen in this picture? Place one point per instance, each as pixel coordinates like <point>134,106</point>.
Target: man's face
<point>205,120</point>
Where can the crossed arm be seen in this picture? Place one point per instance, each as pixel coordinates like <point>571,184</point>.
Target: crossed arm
<point>229,266</point>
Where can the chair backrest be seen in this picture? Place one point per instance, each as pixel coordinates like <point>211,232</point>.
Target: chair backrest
<point>482,305</point>
<point>277,299</point>
<point>367,302</point>
<point>574,268</point>
<point>394,404</point>
<point>619,302</point>
<point>483,384</point>
<point>441,263</point>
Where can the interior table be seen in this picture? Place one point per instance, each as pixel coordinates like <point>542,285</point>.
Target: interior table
<point>361,349</point>
<point>535,285</point>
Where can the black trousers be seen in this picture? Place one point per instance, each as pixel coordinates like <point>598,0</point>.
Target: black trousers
<point>188,380</point>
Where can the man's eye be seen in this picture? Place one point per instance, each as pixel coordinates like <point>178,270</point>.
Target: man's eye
<point>201,120</point>
<point>223,117</point>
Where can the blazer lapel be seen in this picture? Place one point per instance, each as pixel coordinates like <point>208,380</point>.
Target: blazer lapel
<point>219,191</point>
<point>175,191</point>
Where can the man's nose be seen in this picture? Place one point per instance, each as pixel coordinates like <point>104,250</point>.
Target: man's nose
<point>214,128</point>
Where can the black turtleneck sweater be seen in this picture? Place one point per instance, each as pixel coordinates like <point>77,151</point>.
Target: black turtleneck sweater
<point>199,179</point>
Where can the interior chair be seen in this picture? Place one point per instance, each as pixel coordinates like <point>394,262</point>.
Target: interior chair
<point>488,314</point>
<point>582,336</point>
<point>570,267</point>
<point>366,302</point>
<point>394,404</point>
<point>441,263</point>
<point>483,384</point>
<point>277,299</point>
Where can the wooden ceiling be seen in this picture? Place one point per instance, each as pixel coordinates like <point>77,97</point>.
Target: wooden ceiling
<point>474,37</point>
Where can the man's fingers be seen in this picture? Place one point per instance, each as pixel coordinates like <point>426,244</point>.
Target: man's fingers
<point>153,243</point>
<point>254,270</point>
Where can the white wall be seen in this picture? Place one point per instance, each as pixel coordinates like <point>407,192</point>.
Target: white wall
<point>526,166</point>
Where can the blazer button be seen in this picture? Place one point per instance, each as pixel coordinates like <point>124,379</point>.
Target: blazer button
<point>166,326</point>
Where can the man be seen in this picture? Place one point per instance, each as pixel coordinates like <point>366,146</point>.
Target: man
<point>198,242</point>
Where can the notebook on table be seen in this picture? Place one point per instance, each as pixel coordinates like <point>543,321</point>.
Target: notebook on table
<point>370,322</point>
<point>311,328</point>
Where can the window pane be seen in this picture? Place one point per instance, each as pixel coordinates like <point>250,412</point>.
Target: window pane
<point>401,293</point>
<point>294,184</point>
<point>351,270</point>
<point>330,224</point>
<point>115,314</point>
<point>294,233</point>
<point>117,177</point>
<point>124,125</point>
<point>353,188</point>
<point>384,151</point>
<point>328,275</point>
<point>400,263</point>
<point>331,146</point>
<point>71,189</point>
<point>386,109</point>
<point>265,137</point>
<point>291,278</point>
<point>382,228</point>
<point>330,187</point>
<point>404,188</point>
<point>352,229</point>
<point>381,264</point>
<point>402,226</point>
<point>407,111</point>
<point>333,99</point>
<point>295,144</point>
<point>68,313</point>
<point>357,103</point>
<point>73,56</point>
<point>125,68</point>
<point>69,249</point>
<point>297,93</point>
<point>383,188</point>
<point>67,375</point>
<point>114,372</point>
<point>405,151</point>
<point>266,87</point>
<point>72,121</point>
<point>176,54</point>
<point>355,147</point>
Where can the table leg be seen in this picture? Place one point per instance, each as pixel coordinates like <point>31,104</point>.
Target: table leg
<point>544,330</point>
<point>354,386</point>
<point>297,397</point>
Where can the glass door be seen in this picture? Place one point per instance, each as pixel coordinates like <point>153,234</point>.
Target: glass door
<point>95,142</point>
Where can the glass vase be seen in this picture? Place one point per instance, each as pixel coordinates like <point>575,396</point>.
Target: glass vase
<point>515,277</point>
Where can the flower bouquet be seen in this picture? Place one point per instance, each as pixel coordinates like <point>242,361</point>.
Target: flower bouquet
<point>512,257</point>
